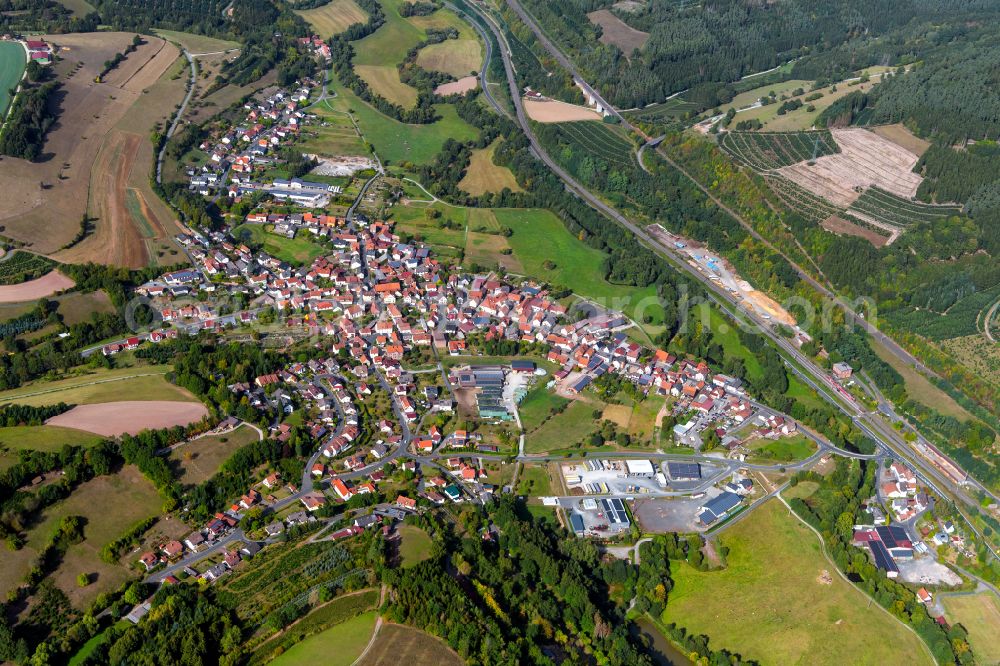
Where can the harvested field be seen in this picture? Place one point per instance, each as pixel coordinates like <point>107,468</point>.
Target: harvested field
<point>903,138</point>
<point>34,289</point>
<point>116,238</point>
<point>616,32</point>
<point>554,111</point>
<point>44,201</point>
<point>405,645</point>
<point>100,386</point>
<point>384,81</point>
<point>196,43</point>
<point>842,227</point>
<point>484,176</point>
<point>460,87</point>
<point>334,17</point>
<point>458,57</point>
<point>866,159</point>
<point>130,416</point>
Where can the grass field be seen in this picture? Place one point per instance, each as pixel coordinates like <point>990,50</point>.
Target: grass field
<point>334,17</point>
<point>296,251</point>
<point>980,615</point>
<point>132,498</point>
<point>101,386</point>
<point>340,644</point>
<point>786,449</point>
<point>384,81</point>
<point>458,57</point>
<point>534,480</point>
<point>79,8</point>
<point>12,64</point>
<point>200,459</point>
<point>563,430</point>
<point>539,236</point>
<point>45,438</point>
<point>77,307</point>
<point>538,404</point>
<point>801,490</point>
<point>397,142</point>
<point>397,644</point>
<point>415,545</point>
<point>484,176</point>
<point>336,138</point>
<point>920,388</point>
<point>787,614</point>
<point>196,43</point>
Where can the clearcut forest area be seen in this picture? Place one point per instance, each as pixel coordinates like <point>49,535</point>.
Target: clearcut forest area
<point>622,332</point>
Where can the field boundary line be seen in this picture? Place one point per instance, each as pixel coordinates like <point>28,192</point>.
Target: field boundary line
<point>94,383</point>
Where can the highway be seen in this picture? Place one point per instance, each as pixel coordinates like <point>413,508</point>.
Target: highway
<point>871,424</point>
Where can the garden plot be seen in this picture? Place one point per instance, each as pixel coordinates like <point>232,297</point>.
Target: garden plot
<point>866,160</point>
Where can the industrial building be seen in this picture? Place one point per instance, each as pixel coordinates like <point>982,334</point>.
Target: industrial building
<point>719,507</point>
<point>683,471</point>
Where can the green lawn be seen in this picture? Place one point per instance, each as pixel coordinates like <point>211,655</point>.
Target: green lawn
<point>786,449</point>
<point>297,251</point>
<point>45,438</point>
<point>534,481</point>
<point>771,605</point>
<point>539,236</point>
<point>415,545</point>
<point>564,430</point>
<point>801,490</point>
<point>980,615</point>
<point>12,64</point>
<point>538,404</point>
<point>340,644</point>
<point>397,142</point>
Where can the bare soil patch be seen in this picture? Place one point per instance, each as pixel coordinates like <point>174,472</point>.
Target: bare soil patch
<point>866,159</point>
<point>618,414</point>
<point>903,138</point>
<point>116,238</point>
<point>460,87</point>
<point>618,33</point>
<point>130,416</point>
<point>32,290</point>
<point>841,226</point>
<point>554,111</point>
<point>44,201</point>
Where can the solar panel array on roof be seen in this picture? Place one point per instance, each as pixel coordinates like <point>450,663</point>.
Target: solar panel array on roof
<point>882,558</point>
<point>682,471</point>
<point>888,536</point>
<point>614,511</point>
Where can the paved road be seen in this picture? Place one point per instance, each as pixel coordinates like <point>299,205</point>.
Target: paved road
<point>177,116</point>
<point>484,84</point>
<point>888,440</point>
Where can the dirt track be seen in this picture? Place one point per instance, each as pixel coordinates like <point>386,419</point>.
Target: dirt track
<point>32,290</point>
<point>130,416</point>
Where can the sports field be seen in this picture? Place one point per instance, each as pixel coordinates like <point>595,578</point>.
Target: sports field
<point>773,603</point>
<point>12,64</point>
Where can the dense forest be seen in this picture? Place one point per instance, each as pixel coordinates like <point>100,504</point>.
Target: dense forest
<point>30,118</point>
<point>43,16</point>
<point>708,44</point>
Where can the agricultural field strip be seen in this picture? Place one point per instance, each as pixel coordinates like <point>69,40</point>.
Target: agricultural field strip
<point>899,211</point>
<point>765,151</point>
<point>607,146</point>
<point>60,389</point>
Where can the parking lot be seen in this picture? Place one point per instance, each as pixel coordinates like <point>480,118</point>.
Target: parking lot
<point>678,514</point>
